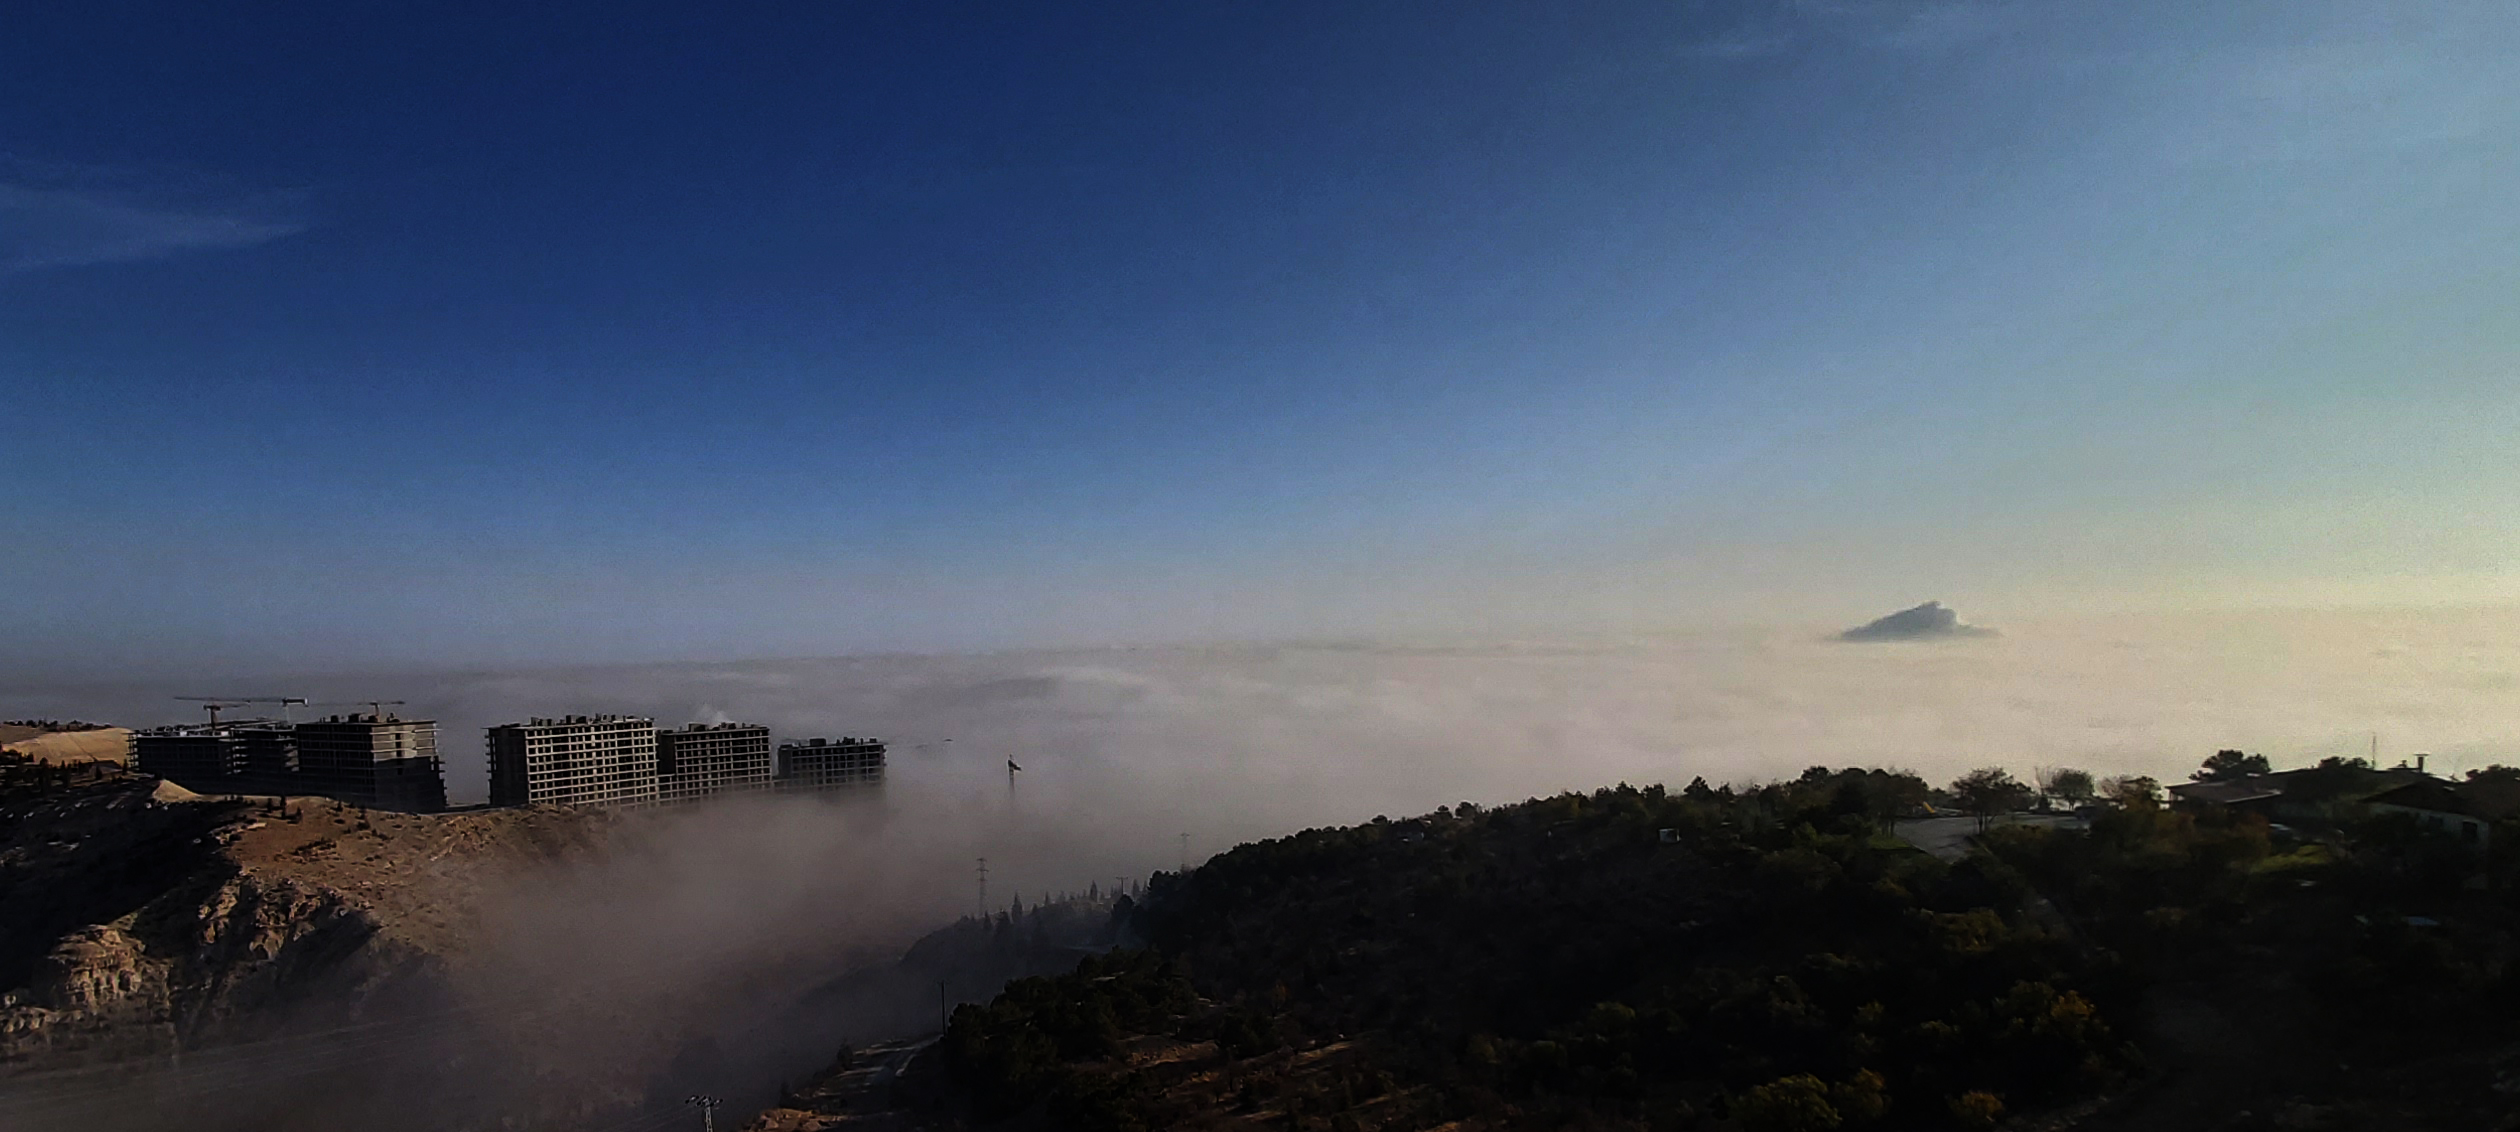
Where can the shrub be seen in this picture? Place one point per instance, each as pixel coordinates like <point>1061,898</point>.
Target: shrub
<point>1799,1103</point>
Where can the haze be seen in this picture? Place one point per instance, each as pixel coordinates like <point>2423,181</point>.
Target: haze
<point>1125,750</point>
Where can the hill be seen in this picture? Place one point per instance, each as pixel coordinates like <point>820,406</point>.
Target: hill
<point>144,916</point>
<point>1769,961</point>
<point>1627,958</point>
<point>170,960</point>
<point>48,747</point>
<point>159,943</point>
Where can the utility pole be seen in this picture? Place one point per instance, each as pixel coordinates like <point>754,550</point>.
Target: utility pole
<point>944,1008</point>
<point>983,873</point>
<point>1185,854</point>
<point>708,1110</point>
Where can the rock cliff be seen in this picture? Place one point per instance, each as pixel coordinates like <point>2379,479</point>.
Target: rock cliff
<point>145,921</point>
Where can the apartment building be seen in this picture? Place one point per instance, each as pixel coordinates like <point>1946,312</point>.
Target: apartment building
<point>704,761</point>
<point>821,765</point>
<point>380,761</point>
<point>584,760</point>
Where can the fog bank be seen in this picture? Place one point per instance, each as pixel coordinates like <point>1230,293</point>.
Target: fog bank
<point>702,928</point>
<point>1124,750</point>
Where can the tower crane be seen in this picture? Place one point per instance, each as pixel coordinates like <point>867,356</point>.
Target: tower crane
<point>375,707</point>
<point>216,704</point>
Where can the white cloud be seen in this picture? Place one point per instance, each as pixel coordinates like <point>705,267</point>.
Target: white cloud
<point>54,215</point>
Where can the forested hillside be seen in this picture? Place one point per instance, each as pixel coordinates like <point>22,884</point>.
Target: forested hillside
<point>1627,958</point>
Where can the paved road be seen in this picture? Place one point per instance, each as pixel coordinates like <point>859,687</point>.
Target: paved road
<point>893,1063</point>
<point>1948,838</point>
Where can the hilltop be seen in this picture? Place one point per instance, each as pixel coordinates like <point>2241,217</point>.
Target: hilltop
<point>143,916</point>
<point>170,959</point>
<point>66,745</point>
<point>1772,961</point>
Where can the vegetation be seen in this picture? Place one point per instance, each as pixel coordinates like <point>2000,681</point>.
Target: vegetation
<point>2072,786</point>
<point>1988,791</point>
<point>1772,960</point>
<point>1630,957</point>
<point>2225,766</point>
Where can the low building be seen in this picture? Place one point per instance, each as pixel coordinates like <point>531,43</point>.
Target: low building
<point>2465,810</point>
<point>704,761</point>
<point>2258,793</point>
<point>380,761</point>
<point>2331,794</point>
<point>577,760</point>
<point>824,765</point>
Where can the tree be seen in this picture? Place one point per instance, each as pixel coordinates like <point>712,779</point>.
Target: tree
<point>1799,1103</point>
<point>2071,786</point>
<point>2495,773</point>
<point>1988,791</point>
<point>2227,765</point>
<point>2132,791</point>
<point>1862,1098</point>
<point>1977,1109</point>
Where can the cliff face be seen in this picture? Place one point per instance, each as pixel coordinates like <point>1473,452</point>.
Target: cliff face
<point>195,966</point>
<point>145,921</point>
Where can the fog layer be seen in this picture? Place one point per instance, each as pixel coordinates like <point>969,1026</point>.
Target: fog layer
<point>703,928</point>
<point>1125,750</point>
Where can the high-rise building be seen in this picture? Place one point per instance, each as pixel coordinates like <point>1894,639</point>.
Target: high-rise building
<point>817,765</point>
<point>585,760</point>
<point>703,761</point>
<point>380,761</point>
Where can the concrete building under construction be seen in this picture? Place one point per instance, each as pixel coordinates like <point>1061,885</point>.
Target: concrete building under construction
<point>823,765</point>
<point>206,760</point>
<point>704,761</point>
<point>381,761</point>
<point>581,760</point>
<point>387,765</point>
<point>624,761</point>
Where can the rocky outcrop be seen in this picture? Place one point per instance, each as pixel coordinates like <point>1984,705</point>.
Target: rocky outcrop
<point>214,953</point>
<point>143,922</point>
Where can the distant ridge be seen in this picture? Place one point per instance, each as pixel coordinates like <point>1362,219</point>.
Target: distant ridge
<point>1929,621</point>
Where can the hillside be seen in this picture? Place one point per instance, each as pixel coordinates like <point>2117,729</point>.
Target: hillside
<point>1771,962</point>
<point>48,747</point>
<point>172,960</point>
<point>143,915</point>
<point>147,924</point>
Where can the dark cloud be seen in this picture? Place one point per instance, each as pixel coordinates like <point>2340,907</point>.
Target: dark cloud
<point>1925,622</point>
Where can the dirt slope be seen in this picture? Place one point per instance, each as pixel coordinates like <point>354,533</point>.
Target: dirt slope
<point>142,920</point>
<point>65,748</point>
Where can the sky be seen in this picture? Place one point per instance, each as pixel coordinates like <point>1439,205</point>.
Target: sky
<point>455,334</point>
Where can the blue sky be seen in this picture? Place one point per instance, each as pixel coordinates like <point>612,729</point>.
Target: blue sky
<point>449,334</point>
